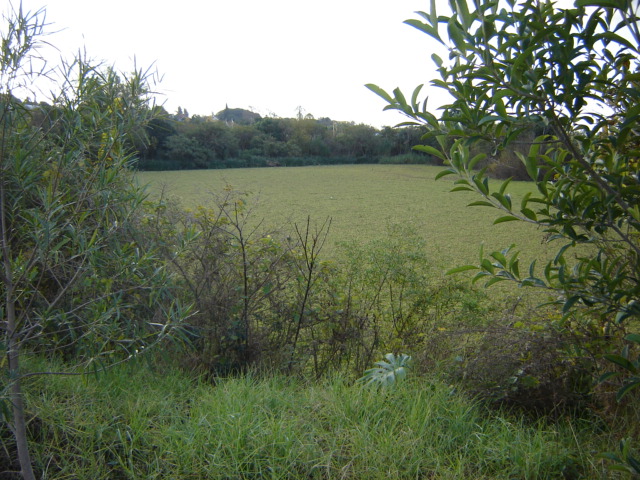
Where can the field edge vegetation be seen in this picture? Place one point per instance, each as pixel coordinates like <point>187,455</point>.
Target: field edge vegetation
<point>254,339</point>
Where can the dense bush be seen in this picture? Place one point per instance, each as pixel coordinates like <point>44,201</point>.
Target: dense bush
<point>506,67</point>
<point>530,366</point>
<point>271,297</point>
<point>74,282</point>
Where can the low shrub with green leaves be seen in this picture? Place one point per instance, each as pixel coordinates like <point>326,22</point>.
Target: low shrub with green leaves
<point>268,299</point>
<point>271,298</point>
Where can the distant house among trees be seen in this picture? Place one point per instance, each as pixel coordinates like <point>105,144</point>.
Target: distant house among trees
<point>181,115</point>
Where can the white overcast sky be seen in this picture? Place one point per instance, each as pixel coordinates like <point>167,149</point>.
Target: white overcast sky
<point>268,55</point>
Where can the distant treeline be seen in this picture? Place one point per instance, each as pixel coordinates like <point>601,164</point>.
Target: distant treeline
<point>236,137</point>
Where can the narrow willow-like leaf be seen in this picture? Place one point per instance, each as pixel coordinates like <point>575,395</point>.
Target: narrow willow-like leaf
<point>631,115</point>
<point>482,184</point>
<point>423,27</point>
<point>414,97</point>
<point>612,37</point>
<point>620,394</point>
<point>622,362</point>
<point>570,302</point>
<point>490,119</point>
<point>499,105</point>
<point>479,276</point>
<point>430,150</point>
<point>480,203</point>
<point>380,92</point>
<point>456,35</point>
<point>464,14</point>
<point>606,376</point>
<point>494,280</point>
<point>633,337</point>
<point>619,4</point>
<point>444,173</point>
<point>499,256</point>
<point>474,161</point>
<point>514,266</point>
<point>399,97</point>
<point>487,265</point>
<point>463,268</point>
<point>504,185</point>
<point>532,167</point>
<point>433,16</point>
<point>505,200</point>
<point>530,214</point>
<point>506,218</point>
<point>532,269</point>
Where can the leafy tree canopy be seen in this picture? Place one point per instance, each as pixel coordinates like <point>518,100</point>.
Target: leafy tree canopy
<point>573,73</point>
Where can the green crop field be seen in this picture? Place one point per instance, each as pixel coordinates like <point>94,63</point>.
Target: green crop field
<point>362,201</point>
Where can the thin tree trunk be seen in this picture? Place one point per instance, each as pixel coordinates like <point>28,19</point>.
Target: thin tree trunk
<point>18,424</point>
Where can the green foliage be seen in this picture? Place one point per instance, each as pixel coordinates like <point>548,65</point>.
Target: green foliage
<point>527,362</point>
<point>625,461</point>
<point>388,372</point>
<point>72,268</point>
<point>572,73</point>
<point>388,293</point>
<point>391,288</point>
<point>626,366</point>
<point>237,115</point>
<point>269,297</point>
<point>180,143</point>
<point>75,282</point>
<point>254,288</point>
<point>187,151</point>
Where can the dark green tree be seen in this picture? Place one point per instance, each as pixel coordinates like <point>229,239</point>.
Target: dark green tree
<point>360,141</point>
<point>216,137</point>
<point>182,152</point>
<point>278,128</point>
<point>238,116</point>
<point>158,130</point>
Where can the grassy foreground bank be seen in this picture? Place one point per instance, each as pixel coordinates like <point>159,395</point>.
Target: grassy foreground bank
<point>138,423</point>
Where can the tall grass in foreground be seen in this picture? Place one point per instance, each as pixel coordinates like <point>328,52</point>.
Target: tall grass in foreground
<point>135,423</point>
